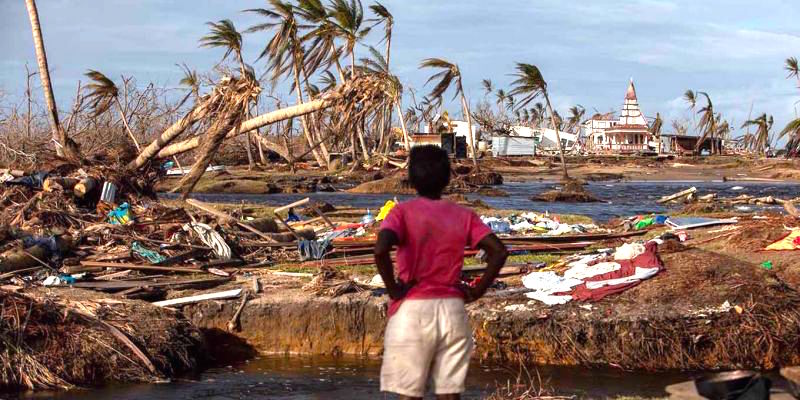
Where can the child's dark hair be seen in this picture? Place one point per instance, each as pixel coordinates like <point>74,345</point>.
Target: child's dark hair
<point>429,170</point>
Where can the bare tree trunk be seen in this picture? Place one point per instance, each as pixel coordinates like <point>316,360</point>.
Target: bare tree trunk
<point>474,149</point>
<point>75,107</point>
<point>558,137</point>
<point>248,146</point>
<point>125,122</point>
<point>303,119</point>
<point>249,125</point>
<point>403,125</point>
<point>363,143</point>
<point>353,61</point>
<point>337,63</point>
<point>214,139</point>
<point>28,96</point>
<point>315,122</point>
<point>261,155</point>
<point>64,148</point>
<point>165,138</point>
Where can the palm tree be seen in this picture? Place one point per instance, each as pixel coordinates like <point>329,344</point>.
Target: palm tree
<point>191,81</point>
<point>285,53</point>
<point>761,139</point>
<point>449,74</point>
<point>576,114</point>
<point>707,124</point>
<point>539,112</point>
<point>383,16</point>
<point>64,146</point>
<point>691,97</point>
<point>501,101</point>
<point>224,34</point>
<point>347,19</point>
<point>322,36</point>
<point>488,88</point>
<point>793,68</point>
<point>102,93</point>
<point>792,129</point>
<point>387,19</point>
<point>531,84</point>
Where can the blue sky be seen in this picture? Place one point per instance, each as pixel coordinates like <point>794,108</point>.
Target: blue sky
<point>586,49</point>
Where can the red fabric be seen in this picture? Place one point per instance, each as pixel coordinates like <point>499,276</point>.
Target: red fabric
<point>648,259</point>
<point>432,235</point>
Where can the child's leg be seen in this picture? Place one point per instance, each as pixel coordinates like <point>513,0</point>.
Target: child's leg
<point>408,348</point>
<point>451,362</point>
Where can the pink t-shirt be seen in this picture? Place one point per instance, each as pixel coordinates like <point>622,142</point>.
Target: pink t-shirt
<point>432,236</point>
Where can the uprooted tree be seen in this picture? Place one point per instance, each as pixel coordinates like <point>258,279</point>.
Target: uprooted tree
<point>352,102</point>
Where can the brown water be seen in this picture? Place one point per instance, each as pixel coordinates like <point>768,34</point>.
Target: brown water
<point>300,378</point>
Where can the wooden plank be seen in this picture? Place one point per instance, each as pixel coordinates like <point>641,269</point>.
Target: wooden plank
<point>219,214</point>
<point>179,258</point>
<point>322,214</point>
<point>198,298</point>
<point>140,267</point>
<point>120,285</point>
<point>292,205</point>
<point>678,195</point>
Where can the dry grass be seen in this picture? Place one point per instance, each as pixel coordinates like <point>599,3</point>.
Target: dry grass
<point>74,340</point>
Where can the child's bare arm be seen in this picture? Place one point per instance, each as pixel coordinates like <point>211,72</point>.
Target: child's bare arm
<point>383,259</point>
<point>496,255</point>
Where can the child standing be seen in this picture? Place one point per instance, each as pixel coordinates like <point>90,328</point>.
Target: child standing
<point>428,337</point>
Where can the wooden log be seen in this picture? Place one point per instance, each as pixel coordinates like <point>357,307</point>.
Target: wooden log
<point>17,259</point>
<point>198,298</point>
<point>16,173</point>
<point>225,217</point>
<point>707,197</point>
<point>246,126</point>
<point>141,267</point>
<point>297,203</point>
<point>121,285</point>
<point>55,183</point>
<point>233,324</point>
<point>678,195</point>
<point>85,186</point>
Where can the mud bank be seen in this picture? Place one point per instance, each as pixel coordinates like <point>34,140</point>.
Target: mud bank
<point>655,326</point>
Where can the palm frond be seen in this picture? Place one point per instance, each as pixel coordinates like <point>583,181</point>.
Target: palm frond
<point>529,83</point>
<point>792,129</point>
<point>448,74</point>
<point>328,80</point>
<point>101,91</point>
<point>487,86</point>
<point>690,98</point>
<point>383,16</point>
<point>792,67</point>
<point>223,34</point>
<point>190,78</point>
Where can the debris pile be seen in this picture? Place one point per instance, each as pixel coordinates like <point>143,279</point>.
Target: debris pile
<point>531,223</point>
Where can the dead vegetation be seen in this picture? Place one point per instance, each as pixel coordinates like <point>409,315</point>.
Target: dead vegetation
<point>80,339</point>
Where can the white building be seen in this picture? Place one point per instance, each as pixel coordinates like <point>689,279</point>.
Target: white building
<point>628,134</point>
<point>546,137</point>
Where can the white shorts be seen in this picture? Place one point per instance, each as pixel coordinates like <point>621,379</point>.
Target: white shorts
<point>427,341</point>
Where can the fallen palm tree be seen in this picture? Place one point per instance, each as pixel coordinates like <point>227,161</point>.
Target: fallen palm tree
<point>353,100</point>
